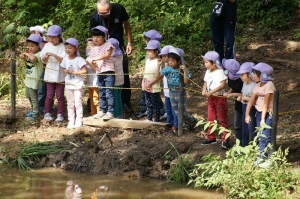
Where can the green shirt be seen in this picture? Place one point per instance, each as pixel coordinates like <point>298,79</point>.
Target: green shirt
<point>34,71</point>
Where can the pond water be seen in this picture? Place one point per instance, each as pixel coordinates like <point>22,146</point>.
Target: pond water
<point>51,183</point>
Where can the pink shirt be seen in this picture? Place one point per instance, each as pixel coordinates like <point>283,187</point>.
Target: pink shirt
<point>103,65</point>
<point>261,91</point>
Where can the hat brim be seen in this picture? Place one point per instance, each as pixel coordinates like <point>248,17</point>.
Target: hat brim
<point>51,34</point>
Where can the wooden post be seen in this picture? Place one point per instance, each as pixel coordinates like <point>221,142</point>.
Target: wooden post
<point>13,86</point>
<point>180,104</point>
<point>274,120</point>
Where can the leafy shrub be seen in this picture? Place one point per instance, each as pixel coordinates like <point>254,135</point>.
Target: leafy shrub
<point>238,176</point>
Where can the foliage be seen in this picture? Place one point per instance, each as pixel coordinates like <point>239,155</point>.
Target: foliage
<point>30,153</point>
<point>179,169</point>
<point>214,127</point>
<point>239,177</point>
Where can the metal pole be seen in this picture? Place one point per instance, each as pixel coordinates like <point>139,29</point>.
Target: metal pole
<point>13,86</point>
<point>180,104</point>
<point>274,120</point>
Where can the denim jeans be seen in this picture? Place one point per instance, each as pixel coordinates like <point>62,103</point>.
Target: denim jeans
<point>221,29</point>
<point>248,130</point>
<point>265,137</point>
<point>171,116</point>
<point>106,93</point>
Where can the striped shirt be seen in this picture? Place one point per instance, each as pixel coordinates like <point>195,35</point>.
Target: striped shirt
<point>106,64</point>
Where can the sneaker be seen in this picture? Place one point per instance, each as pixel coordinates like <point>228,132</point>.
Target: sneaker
<point>225,144</point>
<point>99,115</point>
<point>77,124</point>
<point>173,130</point>
<point>30,114</point>
<point>192,126</point>
<point>164,116</point>
<point>48,117</point>
<point>208,142</point>
<point>127,107</point>
<point>70,125</point>
<point>140,114</point>
<point>59,118</point>
<point>108,116</point>
<point>258,161</point>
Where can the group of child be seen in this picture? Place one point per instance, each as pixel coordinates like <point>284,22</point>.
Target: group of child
<point>250,84</point>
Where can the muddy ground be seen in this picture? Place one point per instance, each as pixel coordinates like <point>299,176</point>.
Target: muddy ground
<point>137,153</point>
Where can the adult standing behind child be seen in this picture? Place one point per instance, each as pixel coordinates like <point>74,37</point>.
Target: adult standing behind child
<point>248,86</point>
<point>92,81</point>
<point>34,69</point>
<point>119,78</point>
<point>235,85</point>
<point>52,55</point>
<point>74,67</point>
<point>262,94</point>
<point>102,62</point>
<point>213,89</point>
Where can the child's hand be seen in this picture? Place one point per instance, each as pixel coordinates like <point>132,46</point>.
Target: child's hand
<point>247,119</point>
<point>262,123</point>
<point>183,67</point>
<point>227,95</point>
<point>22,56</point>
<point>204,93</point>
<point>245,99</point>
<point>239,98</point>
<point>50,54</point>
<point>71,71</point>
<point>208,93</point>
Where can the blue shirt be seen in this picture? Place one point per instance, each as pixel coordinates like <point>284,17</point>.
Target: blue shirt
<point>172,76</point>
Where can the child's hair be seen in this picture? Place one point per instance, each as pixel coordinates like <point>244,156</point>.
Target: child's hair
<point>175,56</point>
<point>96,32</point>
<point>257,72</point>
<point>36,43</point>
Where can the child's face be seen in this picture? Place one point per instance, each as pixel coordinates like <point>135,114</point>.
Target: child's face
<point>70,50</point>
<point>209,65</point>
<point>54,40</point>
<point>90,45</point>
<point>33,47</point>
<point>164,58</point>
<point>173,62</point>
<point>256,77</point>
<point>98,40</point>
<point>151,54</point>
<point>245,77</point>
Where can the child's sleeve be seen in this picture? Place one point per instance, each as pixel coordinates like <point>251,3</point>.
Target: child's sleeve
<point>81,62</point>
<point>206,76</point>
<point>63,63</point>
<point>270,87</point>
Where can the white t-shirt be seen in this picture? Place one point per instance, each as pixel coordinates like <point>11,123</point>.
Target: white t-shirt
<point>214,79</point>
<point>91,75</point>
<point>247,90</point>
<point>73,81</point>
<point>149,74</point>
<point>53,71</point>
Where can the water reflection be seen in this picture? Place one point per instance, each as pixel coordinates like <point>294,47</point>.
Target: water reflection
<point>53,183</point>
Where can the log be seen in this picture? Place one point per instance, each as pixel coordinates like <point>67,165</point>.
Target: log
<point>123,123</point>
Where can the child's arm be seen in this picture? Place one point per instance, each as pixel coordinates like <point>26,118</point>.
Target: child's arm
<point>105,56</point>
<point>265,109</point>
<point>222,86</point>
<point>228,95</point>
<point>80,72</point>
<point>23,57</point>
<point>58,58</point>
<point>245,98</point>
<point>185,77</point>
<point>249,106</point>
<point>204,89</point>
<point>31,57</point>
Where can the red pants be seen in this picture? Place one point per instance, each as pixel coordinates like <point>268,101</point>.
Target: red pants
<point>217,108</point>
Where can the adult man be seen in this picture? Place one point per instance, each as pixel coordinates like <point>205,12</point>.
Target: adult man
<point>224,26</point>
<point>113,16</point>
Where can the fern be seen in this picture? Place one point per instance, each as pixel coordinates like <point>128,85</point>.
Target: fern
<point>9,28</point>
<point>22,30</point>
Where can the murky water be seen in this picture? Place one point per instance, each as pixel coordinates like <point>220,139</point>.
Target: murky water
<point>51,183</point>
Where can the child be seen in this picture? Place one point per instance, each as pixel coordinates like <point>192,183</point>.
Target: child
<point>152,91</point>
<point>247,129</point>
<point>150,35</point>
<point>171,116</point>
<point>34,69</point>
<point>52,55</point>
<point>119,78</point>
<point>172,74</point>
<point>92,81</point>
<point>74,67</point>
<point>235,88</point>
<point>263,95</point>
<point>102,62</point>
<point>213,89</point>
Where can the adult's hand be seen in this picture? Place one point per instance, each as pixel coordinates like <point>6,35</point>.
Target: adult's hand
<point>129,49</point>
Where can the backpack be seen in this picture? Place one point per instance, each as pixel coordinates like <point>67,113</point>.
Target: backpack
<point>218,10</point>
